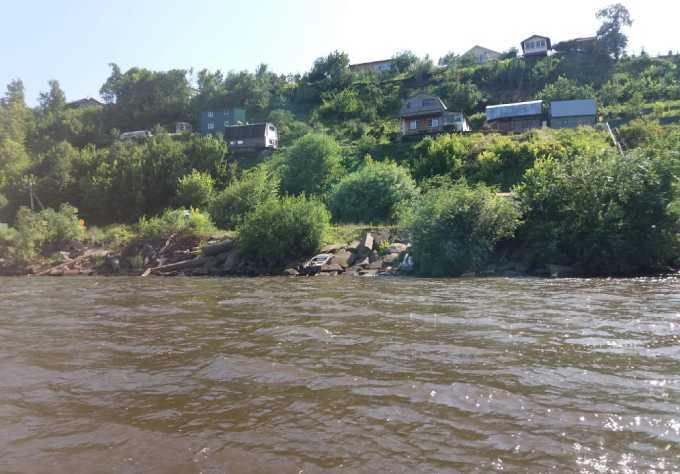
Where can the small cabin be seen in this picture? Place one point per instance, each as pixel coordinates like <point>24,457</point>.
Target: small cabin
<point>516,117</point>
<point>573,113</point>
<point>423,114</point>
<point>252,137</point>
<point>536,46</point>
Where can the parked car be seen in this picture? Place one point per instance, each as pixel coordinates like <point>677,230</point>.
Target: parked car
<point>318,260</point>
<point>136,135</point>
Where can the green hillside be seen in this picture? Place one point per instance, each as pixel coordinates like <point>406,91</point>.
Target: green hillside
<point>341,146</point>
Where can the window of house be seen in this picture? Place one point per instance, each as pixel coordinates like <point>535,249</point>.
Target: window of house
<point>239,142</point>
<point>210,114</point>
<point>413,124</point>
<point>434,123</point>
<point>211,125</point>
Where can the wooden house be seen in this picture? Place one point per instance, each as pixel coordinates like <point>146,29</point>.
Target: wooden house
<point>423,114</point>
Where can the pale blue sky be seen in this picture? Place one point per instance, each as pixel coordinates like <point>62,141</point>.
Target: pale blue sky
<point>74,40</point>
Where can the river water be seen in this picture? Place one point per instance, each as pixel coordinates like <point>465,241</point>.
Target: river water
<point>279,375</point>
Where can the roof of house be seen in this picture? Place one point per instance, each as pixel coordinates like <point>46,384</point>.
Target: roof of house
<point>518,109</point>
<point>370,63</point>
<point>251,130</point>
<point>422,104</point>
<point>481,48</point>
<point>573,108</point>
<point>537,36</point>
<point>85,102</point>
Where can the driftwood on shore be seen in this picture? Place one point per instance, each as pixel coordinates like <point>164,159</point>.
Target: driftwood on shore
<point>213,250</point>
<point>177,266</point>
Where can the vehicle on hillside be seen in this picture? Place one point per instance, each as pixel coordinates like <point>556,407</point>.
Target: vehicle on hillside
<point>135,135</point>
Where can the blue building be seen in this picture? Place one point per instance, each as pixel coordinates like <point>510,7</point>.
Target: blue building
<point>215,121</point>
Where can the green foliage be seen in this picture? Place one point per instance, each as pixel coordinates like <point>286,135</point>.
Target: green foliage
<point>640,132</point>
<point>454,228</point>
<point>142,98</point>
<point>372,194</point>
<point>604,213</point>
<point>8,239</point>
<point>132,179</point>
<point>340,105</point>
<point>311,165</point>
<point>614,17</point>
<point>404,61</point>
<point>114,236</point>
<point>195,190</point>
<point>242,196</point>
<point>460,96</point>
<point>289,128</point>
<point>442,155</point>
<point>283,230</point>
<point>175,221</point>
<point>43,233</point>
<point>54,100</point>
<point>14,114</point>
<point>566,89</point>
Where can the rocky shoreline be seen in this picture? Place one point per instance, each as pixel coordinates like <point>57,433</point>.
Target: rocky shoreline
<point>378,253</point>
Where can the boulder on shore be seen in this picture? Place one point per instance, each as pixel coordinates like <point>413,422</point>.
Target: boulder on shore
<point>342,258</point>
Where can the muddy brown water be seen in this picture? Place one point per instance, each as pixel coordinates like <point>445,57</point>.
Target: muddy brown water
<point>130,375</point>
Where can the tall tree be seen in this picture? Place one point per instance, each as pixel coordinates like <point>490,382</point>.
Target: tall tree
<point>53,100</point>
<point>614,17</point>
<point>144,98</point>
<point>14,113</point>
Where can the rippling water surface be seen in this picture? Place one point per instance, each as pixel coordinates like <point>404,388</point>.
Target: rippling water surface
<point>339,375</point>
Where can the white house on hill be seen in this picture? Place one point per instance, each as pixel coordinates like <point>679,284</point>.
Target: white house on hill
<point>536,46</point>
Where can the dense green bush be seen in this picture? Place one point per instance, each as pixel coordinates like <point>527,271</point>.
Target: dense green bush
<point>454,227</point>
<point>373,194</point>
<point>443,155</point>
<point>603,213</point>
<point>566,89</point>
<point>47,231</point>
<point>242,196</point>
<point>281,230</point>
<point>195,190</point>
<point>175,221</point>
<point>311,165</point>
<point>114,236</point>
<point>8,239</point>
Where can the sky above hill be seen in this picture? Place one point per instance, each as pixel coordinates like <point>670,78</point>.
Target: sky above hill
<point>73,41</point>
